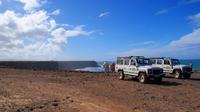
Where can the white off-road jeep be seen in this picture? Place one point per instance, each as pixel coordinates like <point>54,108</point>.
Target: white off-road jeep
<point>138,67</point>
<point>172,66</point>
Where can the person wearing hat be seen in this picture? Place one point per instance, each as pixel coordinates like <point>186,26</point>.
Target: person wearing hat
<point>106,67</point>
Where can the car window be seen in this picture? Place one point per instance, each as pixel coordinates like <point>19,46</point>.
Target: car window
<point>127,62</point>
<point>166,62</point>
<point>175,62</point>
<point>120,62</point>
<point>133,62</point>
<point>159,62</point>
<point>153,61</point>
<point>143,61</point>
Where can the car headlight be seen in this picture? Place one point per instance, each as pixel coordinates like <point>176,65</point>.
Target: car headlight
<point>150,71</point>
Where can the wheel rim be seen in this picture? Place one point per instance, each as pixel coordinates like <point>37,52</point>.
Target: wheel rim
<point>177,75</point>
<point>142,78</point>
<point>120,75</point>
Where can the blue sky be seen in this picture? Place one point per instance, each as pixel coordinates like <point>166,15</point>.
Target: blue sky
<point>100,29</point>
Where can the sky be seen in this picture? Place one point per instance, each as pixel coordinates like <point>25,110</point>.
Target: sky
<point>98,29</point>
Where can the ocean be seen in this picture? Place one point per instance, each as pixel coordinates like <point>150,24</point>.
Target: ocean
<point>195,62</point>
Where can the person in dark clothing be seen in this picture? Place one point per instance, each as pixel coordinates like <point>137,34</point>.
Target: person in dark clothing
<point>112,67</point>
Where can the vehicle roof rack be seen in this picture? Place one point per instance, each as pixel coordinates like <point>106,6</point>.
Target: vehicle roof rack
<point>160,58</point>
<point>129,57</point>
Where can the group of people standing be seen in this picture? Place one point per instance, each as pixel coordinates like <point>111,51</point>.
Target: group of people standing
<point>109,67</point>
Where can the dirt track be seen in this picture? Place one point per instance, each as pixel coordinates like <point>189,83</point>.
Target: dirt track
<point>48,91</point>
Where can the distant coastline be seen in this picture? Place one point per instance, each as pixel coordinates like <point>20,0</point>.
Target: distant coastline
<point>48,65</point>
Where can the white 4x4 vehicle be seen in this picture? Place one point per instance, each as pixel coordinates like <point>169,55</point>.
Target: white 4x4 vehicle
<point>172,66</point>
<point>139,67</point>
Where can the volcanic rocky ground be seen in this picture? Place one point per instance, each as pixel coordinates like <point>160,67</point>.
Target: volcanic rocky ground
<point>59,91</point>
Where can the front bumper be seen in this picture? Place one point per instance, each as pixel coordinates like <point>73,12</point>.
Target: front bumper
<point>187,72</point>
<point>156,75</point>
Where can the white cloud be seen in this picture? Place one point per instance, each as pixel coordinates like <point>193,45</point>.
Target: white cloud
<point>165,50</point>
<point>188,2</point>
<point>56,12</point>
<point>33,35</point>
<point>179,3</point>
<point>190,39</point>
<point>1,2</point>
<point>145,43</point>
<point>195,19</point>
<point>31,4</point>
<point>59,35</point>
<point>186,46</point>
<point>104,14</point>
<point>163,11</point>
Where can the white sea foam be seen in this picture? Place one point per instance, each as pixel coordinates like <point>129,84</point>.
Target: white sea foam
<point>91,69</point>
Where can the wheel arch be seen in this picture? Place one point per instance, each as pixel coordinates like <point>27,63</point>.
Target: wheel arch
<point>177,69</point>
<point>120,70</point>
<point>141,72</point>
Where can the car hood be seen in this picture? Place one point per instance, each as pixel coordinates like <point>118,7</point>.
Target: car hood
<point>148,67</point>
<point>181,66</point>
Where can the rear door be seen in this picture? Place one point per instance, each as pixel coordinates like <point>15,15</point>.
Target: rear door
<point>133,68</point>
<point>119,65</point>
<point>126,66</point>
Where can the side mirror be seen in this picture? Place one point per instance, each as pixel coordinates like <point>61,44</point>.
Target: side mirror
<point>191,65</point>
<point>171,66</point>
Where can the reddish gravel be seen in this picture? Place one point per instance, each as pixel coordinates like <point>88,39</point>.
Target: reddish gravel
<point>51,91</point>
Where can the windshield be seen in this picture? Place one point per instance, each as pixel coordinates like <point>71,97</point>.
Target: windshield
<point>143,61</point>
<point>175,62</point>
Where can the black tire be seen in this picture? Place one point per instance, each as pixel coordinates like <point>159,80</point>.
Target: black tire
<point>121,75</point>
<point>158,79</point>
<point>177,74</point>
<point>187,76</point>
<point>143,78</point>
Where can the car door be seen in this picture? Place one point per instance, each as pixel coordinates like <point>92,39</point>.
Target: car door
<point>159,63</point>
<point>167,66</point>
<point>153,62</point>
